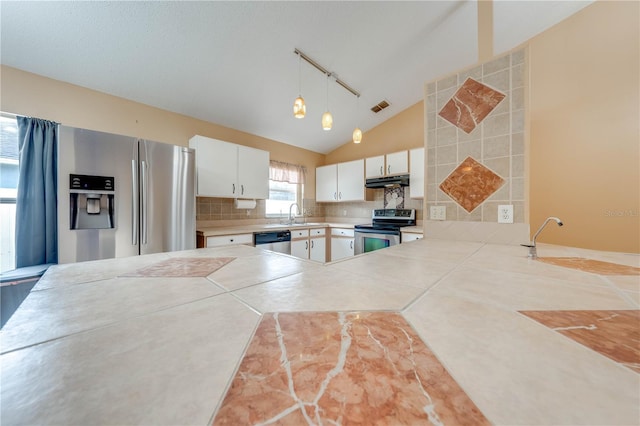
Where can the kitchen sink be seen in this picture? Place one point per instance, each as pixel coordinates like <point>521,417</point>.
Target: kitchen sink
<point>292,225</point>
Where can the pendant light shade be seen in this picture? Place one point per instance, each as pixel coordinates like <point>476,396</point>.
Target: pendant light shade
<point>299,108</point>
<point>327,118</point>
<point>357,135</point>
<point>327,121</point>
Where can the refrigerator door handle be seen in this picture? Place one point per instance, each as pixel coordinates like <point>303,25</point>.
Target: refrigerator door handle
<point>145,205</point>
<point>135,207</point>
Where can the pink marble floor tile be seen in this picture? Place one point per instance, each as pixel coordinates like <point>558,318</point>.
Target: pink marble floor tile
<point>342,368</point>
<point>182,267</point>
<point>614,334</point>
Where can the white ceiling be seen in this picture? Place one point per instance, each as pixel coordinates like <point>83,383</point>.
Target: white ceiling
<point>232,63</point>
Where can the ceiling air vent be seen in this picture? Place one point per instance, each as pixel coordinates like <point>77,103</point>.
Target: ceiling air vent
<point>380,106</point>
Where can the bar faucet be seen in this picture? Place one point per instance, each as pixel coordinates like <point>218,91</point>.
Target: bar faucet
<point>291,218</point>
<point>533,254</point>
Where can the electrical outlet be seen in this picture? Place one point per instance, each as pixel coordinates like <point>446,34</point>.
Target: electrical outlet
<point>438,212</point>
<point>505,213</point>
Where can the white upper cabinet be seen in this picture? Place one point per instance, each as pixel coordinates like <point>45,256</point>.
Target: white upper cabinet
<point>253,173</point>
<point>396,163</point>
<point>231,171</point>
<point>374,166</point>
<point>327,183</point>
<point>340,182</point>
<point>351,181</point>
<point>416,178</point>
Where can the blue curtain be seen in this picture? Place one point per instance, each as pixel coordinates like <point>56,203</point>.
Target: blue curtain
<point>36,203</point>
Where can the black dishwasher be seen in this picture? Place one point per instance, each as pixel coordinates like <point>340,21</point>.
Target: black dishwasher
<point>279,241</point>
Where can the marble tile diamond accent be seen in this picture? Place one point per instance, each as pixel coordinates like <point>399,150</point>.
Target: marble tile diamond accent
<point>342,368</point>
<point>471,103</point>
<point>470,184</point>
<point>182,267</point>
<point>614,334</point>
<point>591,265</point>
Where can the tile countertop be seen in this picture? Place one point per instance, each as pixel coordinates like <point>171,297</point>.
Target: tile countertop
<point>245,229</point>
<point>155,340</point>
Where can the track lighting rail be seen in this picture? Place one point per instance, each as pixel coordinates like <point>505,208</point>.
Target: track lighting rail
<point>326,72</point>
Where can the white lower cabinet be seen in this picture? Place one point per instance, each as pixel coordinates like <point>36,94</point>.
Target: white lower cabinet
<point>309,244</point>
<point>318,245</point>
<point>342,243</point>
<point>227,240</point>
<point>410,236</point>
<point>300,243</point>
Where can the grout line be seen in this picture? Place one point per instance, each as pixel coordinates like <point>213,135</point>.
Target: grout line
<point>439,281</point>
<point>110,323</point>
<point>235,370</point>
<point>622,294</point>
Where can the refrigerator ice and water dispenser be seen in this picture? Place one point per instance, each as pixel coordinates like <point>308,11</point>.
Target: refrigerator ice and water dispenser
<point>91,202</point>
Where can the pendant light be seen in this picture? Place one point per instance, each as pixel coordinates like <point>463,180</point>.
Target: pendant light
<point>357,133</point>
<point>327,118</point>
<point>299,108</point>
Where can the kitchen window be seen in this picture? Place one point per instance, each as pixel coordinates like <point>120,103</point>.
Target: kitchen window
<point>8,190</point>
<point>286,186</point>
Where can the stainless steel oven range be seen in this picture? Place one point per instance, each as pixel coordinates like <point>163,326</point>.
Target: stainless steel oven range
<point>384,230</point>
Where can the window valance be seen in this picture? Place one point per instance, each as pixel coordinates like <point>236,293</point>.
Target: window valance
<point>285,172</point>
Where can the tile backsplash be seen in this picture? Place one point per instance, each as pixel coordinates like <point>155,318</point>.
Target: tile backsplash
<point>223,209</point>
<point>211,209</point>
<point>380,198</point>
<point>490,132</point>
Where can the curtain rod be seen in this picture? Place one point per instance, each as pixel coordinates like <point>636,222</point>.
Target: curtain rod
<point>325,71</point>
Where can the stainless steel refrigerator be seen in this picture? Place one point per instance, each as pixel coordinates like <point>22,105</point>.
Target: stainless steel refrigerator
<point>120,196</point>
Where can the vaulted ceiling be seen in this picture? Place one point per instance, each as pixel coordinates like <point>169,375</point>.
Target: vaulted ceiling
<point>233,62</point>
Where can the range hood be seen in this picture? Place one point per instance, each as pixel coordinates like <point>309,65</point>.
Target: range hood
<point>387,181</point>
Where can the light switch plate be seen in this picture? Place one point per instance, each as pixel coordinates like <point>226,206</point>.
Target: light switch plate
<point>505,213</point>
<point>438,212</point>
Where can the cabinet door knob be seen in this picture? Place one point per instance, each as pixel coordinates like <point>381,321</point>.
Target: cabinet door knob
<point>335,196</point>
<point>306,245</point>
<point>311,243</point>
<point>241,189</point>
<point>389,169</point>
<point>381,170</point>
<point>351,244</point>
<point>233,191</point>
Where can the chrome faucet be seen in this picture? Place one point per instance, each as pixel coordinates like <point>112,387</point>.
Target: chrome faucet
<point>291,218</point>
<point>533,254</point>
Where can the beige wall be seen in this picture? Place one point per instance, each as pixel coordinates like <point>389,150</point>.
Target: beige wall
<point>584,140</point>
<point>403,131</point>
<point>29,94</point>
